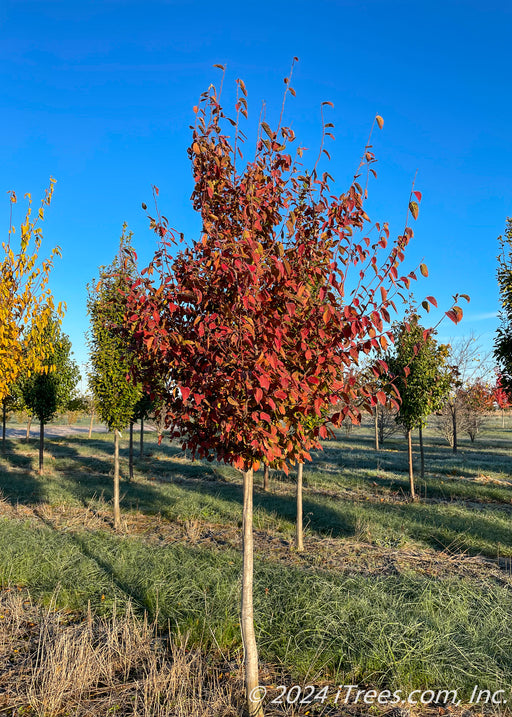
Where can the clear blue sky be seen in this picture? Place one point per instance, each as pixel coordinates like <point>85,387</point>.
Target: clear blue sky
<point>99,95</point>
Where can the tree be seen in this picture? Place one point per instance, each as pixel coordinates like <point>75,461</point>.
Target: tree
<point>503,338</point>
<point>114,395</point>
<point>417,365</point>
<point>26,302</point>
<point>256,322</point>
<point>468,367</point>
<point>54,386</point>
<point>11,402</point>
<point>145,407</point>
<point>476,400</point>
<point>500,397</point>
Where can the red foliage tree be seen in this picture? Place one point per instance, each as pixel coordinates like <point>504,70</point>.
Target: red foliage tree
<point>257,322</point>
<point>501,397</point>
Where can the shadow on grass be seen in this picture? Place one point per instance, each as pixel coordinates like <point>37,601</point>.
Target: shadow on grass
<point>83,478</point>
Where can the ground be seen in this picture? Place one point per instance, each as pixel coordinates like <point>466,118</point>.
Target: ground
<point>388,594</point>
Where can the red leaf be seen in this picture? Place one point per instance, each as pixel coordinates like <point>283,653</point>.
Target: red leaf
<point>432,301</point>
<point>185,392</point>
<point>265,417</point>
<point>417,195</point>
<point>264,382</point>
<point>258,394</point>
<point>455,314</point>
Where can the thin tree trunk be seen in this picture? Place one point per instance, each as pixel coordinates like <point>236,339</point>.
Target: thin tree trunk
<point>117,511</point>
<point>503,418</point>
<point>4,420</point>
<point>298,533</point>
<point>266,472</point>
<point>422,455</point>
<point>411,473</point>
<point>141,450</point>
<point>454,427</point>
<point>130,454</point>
<point>41,447</point>
<point>376,415</point>
<point>90,424</point>
<point>247,614</point>
<point>29,423</point>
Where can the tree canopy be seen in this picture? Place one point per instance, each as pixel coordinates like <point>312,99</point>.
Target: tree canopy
<point>115,396</point>
<point>418,367</point>
<point>26,302</point>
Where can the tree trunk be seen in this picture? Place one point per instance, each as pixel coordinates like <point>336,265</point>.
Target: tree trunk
<point>298,534</point>
<point>117,511</point>
<point>454,428</point>
<point>411,473</point>
<point>141,450</point>
<point>41,447</point>
<point>422,455</point>
<point>247,615</point>
<point>4,420</point>
<point>503,418</point>
<point>266,472</point>
<point>90,424</point>
<point>376,416</point>
<point>130,454</point>
<point>29,423</point>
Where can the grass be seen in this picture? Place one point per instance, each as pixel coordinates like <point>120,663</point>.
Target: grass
<point>389,593</point>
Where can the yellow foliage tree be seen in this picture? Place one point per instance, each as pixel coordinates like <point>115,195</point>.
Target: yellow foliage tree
<point>26,302</point>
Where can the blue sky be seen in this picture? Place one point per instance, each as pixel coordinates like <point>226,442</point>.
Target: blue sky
<point>99,95</point>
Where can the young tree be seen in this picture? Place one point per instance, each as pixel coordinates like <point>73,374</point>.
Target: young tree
<point>467,366</point>
<point>500,397</point>
<point>11,402</point>
<point>114,395</point>
<point>145,407</point>
<point>26,302</point>
<point>417,365</point>
<point>51,389</point>
<point>256,322</point>
<point>476,400</point>
<point>503,338</point>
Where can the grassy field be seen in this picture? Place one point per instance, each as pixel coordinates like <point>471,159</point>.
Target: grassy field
<point>388,594</point>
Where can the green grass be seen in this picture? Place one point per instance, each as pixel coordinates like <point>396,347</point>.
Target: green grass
<point>405,630</point>
<point>400,627</point>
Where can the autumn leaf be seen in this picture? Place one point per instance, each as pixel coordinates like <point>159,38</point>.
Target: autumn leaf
<point>414,209</point>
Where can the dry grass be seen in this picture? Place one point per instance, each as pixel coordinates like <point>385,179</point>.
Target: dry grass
<point>53,665</point>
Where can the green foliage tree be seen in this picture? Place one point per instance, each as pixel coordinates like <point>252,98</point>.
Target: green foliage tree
<point>418,368</point>
<point>52,389</point>
<point>503,338</point>
<point>11,402</point>
<point>114,395</point>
